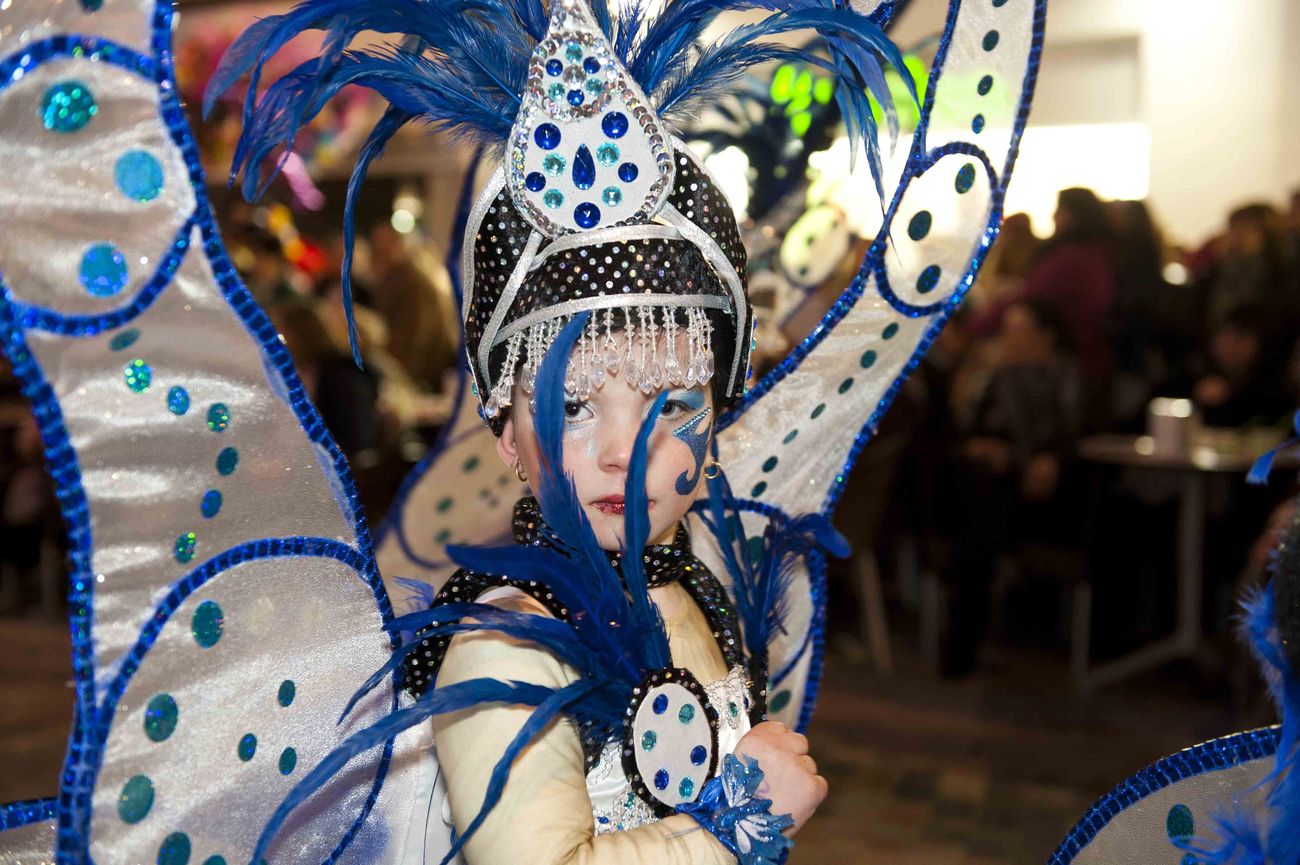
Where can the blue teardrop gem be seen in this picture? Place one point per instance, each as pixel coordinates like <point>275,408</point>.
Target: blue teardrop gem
<point>587,215</point>
<point>614,124</point>
<point>547,136</point>
<point>584,168</point>
<point>627,172</point>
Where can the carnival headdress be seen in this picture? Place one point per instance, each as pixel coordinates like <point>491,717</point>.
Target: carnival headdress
<point>597,206</point>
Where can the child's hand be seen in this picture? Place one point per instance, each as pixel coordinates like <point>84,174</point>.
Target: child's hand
<point>790,776</point>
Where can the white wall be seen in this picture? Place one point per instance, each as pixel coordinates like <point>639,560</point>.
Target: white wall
<point>1212,79</point>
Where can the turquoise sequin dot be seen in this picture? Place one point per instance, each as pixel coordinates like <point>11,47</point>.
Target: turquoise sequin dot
<point>207,623</point>
<point>845,385</point>
<point>769,464</point>
<point>184,548</point>
<point>227,460</point>
<point>218,417</point>
<point>554,199</point>
<point>247,747</point>
<point>178,400</point>
<point>288,690</point>
<point>612,195</point>
<point>68,106</point>
<point>175,849</point>
<point>758,490</point>
<point>594,86</point>
<point>210,504</point>
<point>779,701</point>
<point>288,760</point>
<point>125,339</point>
<point>928,279</point>
<point>139,175</point>
<point>138,375</point>
<point>135,800</point>
<point>103,270</point>
<point>1179,823</point>
<point>160,715</point>
<point>890,331</point>
<point>553,164</point>
<point>817,412</point>
<point>686,713</point>
<point>919,226</point>
<point>607,154</point>
<point>965,178</point>
<point>686,788</point>
<point>555,92</point>
<point>868,358</point>
<point>574,52</point>
<point>649,740</point>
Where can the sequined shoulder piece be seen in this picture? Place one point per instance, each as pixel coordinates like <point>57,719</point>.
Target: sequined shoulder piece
<point>716,605</point>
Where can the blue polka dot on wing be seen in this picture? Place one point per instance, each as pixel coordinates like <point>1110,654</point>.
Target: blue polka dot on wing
<point>139,175</point>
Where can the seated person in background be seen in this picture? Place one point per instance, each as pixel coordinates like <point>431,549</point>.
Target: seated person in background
<point>1245,383</point>
<point>1007,469</point>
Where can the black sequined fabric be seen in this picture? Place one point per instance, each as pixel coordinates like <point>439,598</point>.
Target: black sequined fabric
<point>665,563</point>
<point>654,266</point>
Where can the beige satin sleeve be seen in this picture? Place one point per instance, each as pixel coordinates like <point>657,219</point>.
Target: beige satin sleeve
<point>544,816</point>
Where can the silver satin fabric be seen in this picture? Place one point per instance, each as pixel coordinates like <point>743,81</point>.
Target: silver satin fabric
<point>144,469</point>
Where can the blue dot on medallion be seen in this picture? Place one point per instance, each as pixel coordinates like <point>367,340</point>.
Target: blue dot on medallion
<point>553,164</point>
<point>207,623</point>
<point>868,358</point>
<point>698,755</point>
<point>759,489</point>
<point>661,779</point>
<point>160,715</point>
<point>67,106</point>
<point>103,270</point>
<point>138,375</point>
<point>1179,823</point>
<point>288,690</point>
<point>592,65</point>
<point>584,169</point>
<point>660,704</point>
<point>890,331</point>
<point>554,67</point>
<point>614,124</point>
<point>178,400</point>
<point>919,226</point>
<point>547,136</point>
<point>184,548</point>
<point>607,153</point>
<point>175,849</point>
<point>928,279</point>
<point>555,92</point>
<point>594,86</point>
<point>139,175</point>
<point>612,195</point>
<point>125,339</point>
<point>769,464</point>
<point>247,747</point>
<point>977,123</point>
<point>649,740</point>
<point>573,51</point>
<point>686,713</point>
<point>627,172</point>
<point>687,788</point>
<point>554,199</point>
<point>288,760</point>
<point>218,417</point>
<point>965,178</point>
<point>576,98</point>
<point>990,40</point>
<point>587,215</point>
<point>985,85</point>
<point>227,461</point>
<point>535,181</point>
<point>135,800</point>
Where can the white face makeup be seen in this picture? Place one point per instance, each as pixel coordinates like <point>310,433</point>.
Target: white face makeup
<point>599,435</point>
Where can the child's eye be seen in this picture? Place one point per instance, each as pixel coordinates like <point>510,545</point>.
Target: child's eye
<point>576,410</point>
<point>673,407</point>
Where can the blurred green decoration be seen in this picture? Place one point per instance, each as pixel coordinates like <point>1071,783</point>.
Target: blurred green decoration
<point>909,112</point>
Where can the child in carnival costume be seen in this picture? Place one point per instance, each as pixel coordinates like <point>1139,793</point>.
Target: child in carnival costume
<point>597,695</point>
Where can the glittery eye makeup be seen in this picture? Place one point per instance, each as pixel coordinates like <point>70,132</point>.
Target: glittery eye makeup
<point>695,434</point>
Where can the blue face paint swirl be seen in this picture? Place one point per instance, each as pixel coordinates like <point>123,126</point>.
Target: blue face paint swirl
<point>695,433</point>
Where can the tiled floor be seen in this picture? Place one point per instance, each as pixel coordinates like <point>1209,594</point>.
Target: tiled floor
<point>994,769</point>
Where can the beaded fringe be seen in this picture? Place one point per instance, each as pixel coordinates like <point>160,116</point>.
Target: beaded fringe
<point>628,341</point>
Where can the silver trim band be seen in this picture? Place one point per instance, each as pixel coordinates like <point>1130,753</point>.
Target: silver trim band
<point>614,234</point>
<point>496,182</point>
<point>507,299</point>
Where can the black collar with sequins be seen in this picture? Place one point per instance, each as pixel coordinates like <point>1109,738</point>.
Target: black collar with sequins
<point>664,563</point>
